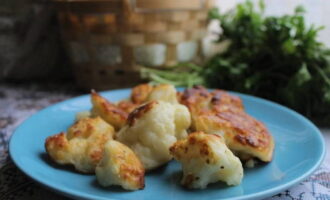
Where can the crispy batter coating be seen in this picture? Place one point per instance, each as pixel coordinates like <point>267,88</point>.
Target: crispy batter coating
<point>86,127</point>
<point>152,128</point>
<point>120,166</point>
<point>127,105</point>
<point>82,147</point>
<point>245,136</point>
<point>220,113</point>
<point>222,101</point>
<point>199,100</point>
<point>140,93</point>
<point>196,99</point>
<point>144,93</point>
<point>206,159</point>
<point>108,111</point>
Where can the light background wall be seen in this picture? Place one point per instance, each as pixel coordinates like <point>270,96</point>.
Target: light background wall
<point>318,11</point>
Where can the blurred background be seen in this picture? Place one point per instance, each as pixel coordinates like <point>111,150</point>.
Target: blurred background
<point>31,47</point>
<point>316,12</point>
<point>273,49</point>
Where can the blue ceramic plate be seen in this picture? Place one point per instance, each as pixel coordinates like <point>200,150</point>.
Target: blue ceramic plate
<point>299,151</point>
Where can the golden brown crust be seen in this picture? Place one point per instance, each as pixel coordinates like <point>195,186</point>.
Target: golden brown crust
<point>120,166</point>
<point>221,112</point>
<point>244,135</point>
<point>86,127</point>
<point>127,106</point>
<point>249,130</point>
<point>205,159</point>
<point>108,111</point>
<point>198,139</point>
<point>131,168</point>
<point>130,171</point>
<point>55,145</point>
<point>139,112</point>
<point>140,93</point>
<point>222,100</point>
<point>127,172</point>
<point>196,98</point>
<point>82,146</point>
<point>56,140</point>
<point>181,147</point>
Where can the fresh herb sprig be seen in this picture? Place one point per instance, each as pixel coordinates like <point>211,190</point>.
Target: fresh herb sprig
<point>278,58</point>
<point>183,74</point>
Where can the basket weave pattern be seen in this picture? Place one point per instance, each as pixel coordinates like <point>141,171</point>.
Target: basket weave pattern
<point>107,46</point>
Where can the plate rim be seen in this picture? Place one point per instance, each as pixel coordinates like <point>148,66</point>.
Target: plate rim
<point>258,195</point>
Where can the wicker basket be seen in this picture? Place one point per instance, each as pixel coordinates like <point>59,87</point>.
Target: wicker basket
<point>108,40</point>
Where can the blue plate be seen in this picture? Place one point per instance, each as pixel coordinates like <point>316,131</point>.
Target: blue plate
<point>299,150</point>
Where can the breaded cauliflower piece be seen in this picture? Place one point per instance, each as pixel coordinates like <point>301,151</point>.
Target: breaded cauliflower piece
<point>182,121</point>
<point>127,105</point>
<point>108,111</point>
<point>120,166</point>
<point>221,113</point>
<point>82,147</point>
<point>206,159</point>
<point>144,93</point>
<point>152,128</point>
<point>86,127</point>
<point>140,93</point>
<point>247,137</point>
<point>163,92</point>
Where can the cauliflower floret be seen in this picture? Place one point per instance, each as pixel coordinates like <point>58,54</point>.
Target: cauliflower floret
<point>86,127</point>
<point>144,93</point>
<point>108,111</point>
<point>182,121</point>
<point>163,92</point>
<point>120,166</point>
<point>127,105</point>
<point>206,159</point>
<point>83,114</point>
<point>82,146</point>
<point>152,128</point>
<point>221,113</point>
<point>140,93</point>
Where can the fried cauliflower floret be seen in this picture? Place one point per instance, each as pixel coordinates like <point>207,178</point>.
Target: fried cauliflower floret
<point>127,105</point>
<point>140,93</point>
<point>82,147</point>
<point>86,127</point>
<point>196,99</point>
<point>144,93</point>
<point>163,92</point>
<point>221,113</point>
<point>152,128</point>
<point>108,111</point>
<point>182,121</point>
<point>247,137</point>
<point>120,166</point>
<point>199,100</point>
<point>206,159</point>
